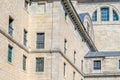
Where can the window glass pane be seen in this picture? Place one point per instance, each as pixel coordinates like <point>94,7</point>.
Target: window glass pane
<point>97,64</point>
<point>26,4</point>
<point>10,31</point>
<point>40,40</point>
<point>64,69</point>
<point>65,46</point>
<point>39,64</point>
<point>24,62</point>
<point>10,53</point>
<point>94,16</point>
<point>25,37</point>
<point>115,16</point>
<point>105,14</point>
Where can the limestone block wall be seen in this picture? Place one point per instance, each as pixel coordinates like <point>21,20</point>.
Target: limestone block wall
<point>16,10</point>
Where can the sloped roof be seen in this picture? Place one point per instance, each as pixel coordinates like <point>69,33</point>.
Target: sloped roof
<point>102,54</point>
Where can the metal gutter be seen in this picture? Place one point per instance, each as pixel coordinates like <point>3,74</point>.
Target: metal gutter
<point>74,16</point>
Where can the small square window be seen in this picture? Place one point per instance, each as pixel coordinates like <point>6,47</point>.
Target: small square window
<point>97,65</point>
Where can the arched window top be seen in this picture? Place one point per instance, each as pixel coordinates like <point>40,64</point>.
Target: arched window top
<point>94,16</point>
<point>115,16</point>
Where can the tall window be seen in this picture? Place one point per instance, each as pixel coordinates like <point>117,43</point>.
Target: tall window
<point>94,16</point>
<point>64,69</point>
<point>24,62</point>
<point>65,46</point>
<point>73,75</point>
<point>39,64</point>
<point>25,38</point>
<point>97,65</point>
<point>65,15</point>
<point>26,4</point>
<point>10,53</point>
<point>40,40</point>
<point>10,29</point>
<point>105,14</point>
<point>74,57</point>
<point>115,16</point>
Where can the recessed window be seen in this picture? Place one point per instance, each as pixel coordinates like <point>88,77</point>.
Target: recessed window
<point>104,14</point>
<point>40,41</point>
<point>39,64</point>
<point>65,46</point>
<point>115,16</point>
<point>26,4</point>
<point>64,70</point>
<point>119,64</point>
<point>97,65</point>
<point>24,62</point>
<point>94,16</point>
<point>74,57</point>
<point>65,15</point>
<point>10,53</point>
<point>25,38</point>
<point>10,30</point>
<point>73,75</point>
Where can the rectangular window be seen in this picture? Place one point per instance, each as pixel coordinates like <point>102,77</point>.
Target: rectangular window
<point>105,14</point>
<point>94,16</point>
<point>73,75</point>
<point>24,62</point>
<point>64,69</point>
<point>74,57</point>
<point>25,38</point>
<point>39,64</point>
<point>26,4</point>
<point>10,30</point>
<point>65,46</point>
<point>40,40</point>
<point>119,64</point>
<point>10,53</point>
<point>66,15</point>
<point>97,65</point>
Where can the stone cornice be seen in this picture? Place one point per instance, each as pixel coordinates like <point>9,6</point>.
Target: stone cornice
<point>74,16</point>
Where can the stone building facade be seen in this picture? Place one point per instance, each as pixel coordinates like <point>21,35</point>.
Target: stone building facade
<point>57,40</point>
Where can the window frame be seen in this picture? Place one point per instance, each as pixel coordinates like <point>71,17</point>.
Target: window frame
<point>24,62</point>
<point>115,16</point>
<point>25,37</point>
<point>105,17</point>
<point>26,4</point>
<point>10,52</point>
<point>38,66</point>
<point>40,44</point>
<point>65,46</point>
<point>10,26</point>
<point>97,64</point>
<point>94,16</point>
